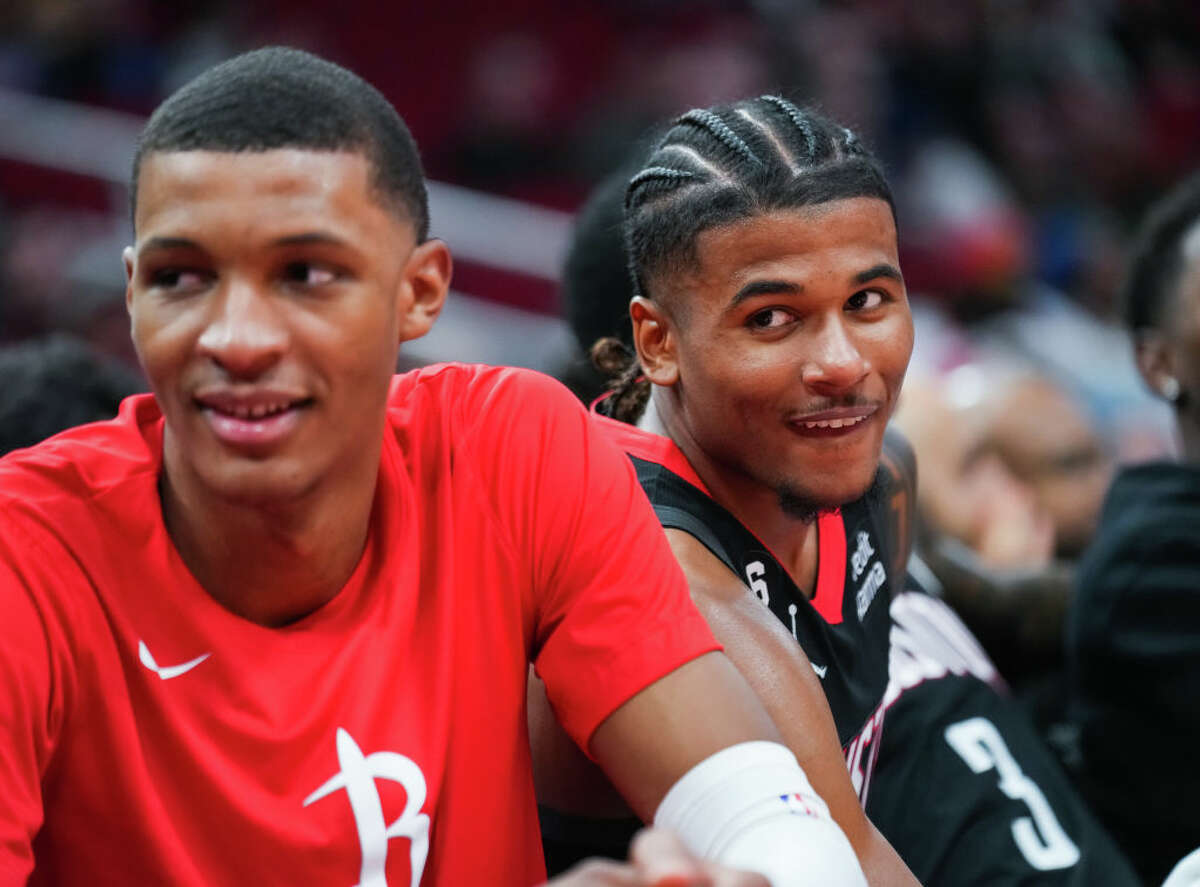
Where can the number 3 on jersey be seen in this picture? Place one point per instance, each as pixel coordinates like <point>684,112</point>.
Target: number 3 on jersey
<point>1040,838</point>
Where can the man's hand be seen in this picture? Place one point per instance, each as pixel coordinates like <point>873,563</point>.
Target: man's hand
<point>657,859</point>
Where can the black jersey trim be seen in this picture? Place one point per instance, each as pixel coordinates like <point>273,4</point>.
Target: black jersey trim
<point>673,518</point>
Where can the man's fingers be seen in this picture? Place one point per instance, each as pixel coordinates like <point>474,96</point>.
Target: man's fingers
<point>661,860</point>
<point>597,873</point>
<point>657,859</point>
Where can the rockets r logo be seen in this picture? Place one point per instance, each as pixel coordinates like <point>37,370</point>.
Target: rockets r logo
<point>357,776</point>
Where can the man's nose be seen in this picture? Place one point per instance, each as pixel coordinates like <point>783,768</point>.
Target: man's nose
<point>834,363</point>
<point>245,333</point>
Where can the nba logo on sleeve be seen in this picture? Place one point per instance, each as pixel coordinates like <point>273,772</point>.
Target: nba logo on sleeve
<point>357,775</point>
<point>798,804</point>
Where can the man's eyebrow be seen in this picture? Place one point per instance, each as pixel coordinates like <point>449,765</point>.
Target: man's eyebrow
<point>764,288</point>
<point>165,243</point>
<point>883,269</point>
<point>311,237</point>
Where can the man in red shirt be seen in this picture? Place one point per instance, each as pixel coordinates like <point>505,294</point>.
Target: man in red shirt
<point>272,623</point>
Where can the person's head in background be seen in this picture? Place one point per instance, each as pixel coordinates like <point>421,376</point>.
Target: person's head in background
<point>53,384</point>
<point>1162,306</point>
<point>1048,441</point>
<point>596,288</point>
<point>769,313</point>
<point>1011,464</point>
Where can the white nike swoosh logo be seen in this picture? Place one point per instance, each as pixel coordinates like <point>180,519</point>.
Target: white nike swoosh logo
<point>819,669</point>
<point>166,672</point>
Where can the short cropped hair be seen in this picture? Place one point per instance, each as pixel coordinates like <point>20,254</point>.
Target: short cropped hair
<point>285,98</point>
<point>1157,262</point>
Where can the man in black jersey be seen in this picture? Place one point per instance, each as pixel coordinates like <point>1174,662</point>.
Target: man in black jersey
<point>772,325</point>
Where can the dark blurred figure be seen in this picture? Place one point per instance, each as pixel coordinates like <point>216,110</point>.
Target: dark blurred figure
<point>1133,640</point>
<point>53,384</point>
<point>596,287</point>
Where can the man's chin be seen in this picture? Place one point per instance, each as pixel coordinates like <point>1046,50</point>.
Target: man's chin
<point>255,485</point>
<point>807,505</point>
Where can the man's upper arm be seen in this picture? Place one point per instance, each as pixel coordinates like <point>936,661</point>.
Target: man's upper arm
<point>782,677</point>
<point>610,606</point>
<point>658,735</point>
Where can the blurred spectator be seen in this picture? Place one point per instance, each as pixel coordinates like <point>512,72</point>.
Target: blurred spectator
<point>1134,626</point>
<point>967,492</point>
<point>1012,474</point>
<point>54,384</point>
<point>983,533</point>
<point>596,285</point>
<point>968,257</point>
<point>1045,438</point>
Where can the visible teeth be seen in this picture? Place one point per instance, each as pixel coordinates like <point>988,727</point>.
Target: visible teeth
<point>256,412</point>
<point>834,423</point>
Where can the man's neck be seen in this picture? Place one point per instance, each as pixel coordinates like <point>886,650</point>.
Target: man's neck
<point>270,564</point>
<point>791,540</point>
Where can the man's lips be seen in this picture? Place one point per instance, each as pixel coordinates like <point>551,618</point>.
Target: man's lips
<point>259,418</point>
<point>836,422</point>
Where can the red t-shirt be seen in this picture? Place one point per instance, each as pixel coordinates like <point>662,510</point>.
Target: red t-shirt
<point>149,736</point>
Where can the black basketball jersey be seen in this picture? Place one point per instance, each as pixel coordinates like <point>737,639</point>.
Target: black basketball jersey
<point>958,780</point>
<point>843,628</point>
<point>964,788</point>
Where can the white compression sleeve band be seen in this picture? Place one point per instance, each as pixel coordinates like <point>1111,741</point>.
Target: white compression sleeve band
<point>750,806</point>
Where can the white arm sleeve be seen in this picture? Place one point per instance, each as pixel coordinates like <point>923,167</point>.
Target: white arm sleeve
<point>751,807</point>
<point>1186,872</point>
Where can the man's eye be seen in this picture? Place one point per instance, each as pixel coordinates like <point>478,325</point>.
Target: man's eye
<point>769,318</point>
<point>309,274</point>
<point>177,279</point>
<point>865,300</point>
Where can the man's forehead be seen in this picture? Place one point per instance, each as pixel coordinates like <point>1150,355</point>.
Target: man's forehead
<point>175,182</point>
<point>281,165</point>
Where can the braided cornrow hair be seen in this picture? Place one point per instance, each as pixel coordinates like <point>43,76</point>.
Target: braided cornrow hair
<point>717,166</point>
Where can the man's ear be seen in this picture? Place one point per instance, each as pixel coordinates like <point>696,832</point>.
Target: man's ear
<point>1156,363</point>
<point>127,255</point>
<point>424,287</point>
<point>655,340</point>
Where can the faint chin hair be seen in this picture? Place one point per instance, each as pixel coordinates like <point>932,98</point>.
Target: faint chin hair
<point>801,508</point>
<point>804,508</point>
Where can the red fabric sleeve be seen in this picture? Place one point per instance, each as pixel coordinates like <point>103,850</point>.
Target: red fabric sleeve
<point>29,713</point>
<point>612,612</point>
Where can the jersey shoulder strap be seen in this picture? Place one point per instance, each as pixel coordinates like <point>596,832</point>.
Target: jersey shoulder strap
<point>681,506</point>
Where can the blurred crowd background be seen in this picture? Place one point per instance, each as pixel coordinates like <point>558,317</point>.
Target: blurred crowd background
<point>1023,139</point>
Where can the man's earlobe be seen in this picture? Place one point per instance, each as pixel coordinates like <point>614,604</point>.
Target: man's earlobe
<point>127,259</point>
<point>1154,361</point>
<point>425,285</point>
<point>655,341</point>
